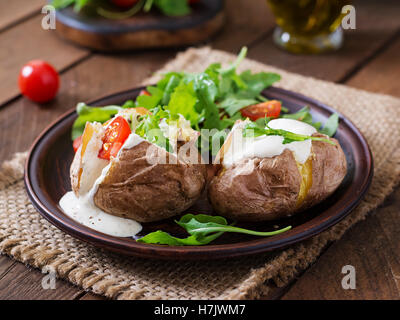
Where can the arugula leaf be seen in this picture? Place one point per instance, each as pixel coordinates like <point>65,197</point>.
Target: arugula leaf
<point>78,4</point>
<point>61,4</point>
<point>173,7</point>
<point>303,115</point>
<point>227,122</point>
<point>128,104</point>
<point>183,101</point>
<point>169,88</point>
<point>252,130</point>
<point>161,237</point>
<point>213,72</point>
<point>206,91</point>
<point>202,229</point>
<point>331,125</point>
<point>232,104</point>
<point>91,114</point>
<point>201,224</point>
<point>149,128</point>
<point>259,81</point>
<point>230,81</point>
<point>151,101</point>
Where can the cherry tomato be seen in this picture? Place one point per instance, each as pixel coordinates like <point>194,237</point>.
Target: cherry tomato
<point>116,134</point>
<point>193,1</point>
<point>269,109</point>
<point>77,143</point>
<point>38,81</point>
<point>124,3</point>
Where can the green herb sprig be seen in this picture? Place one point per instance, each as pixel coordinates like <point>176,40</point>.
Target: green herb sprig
<point>202,229</point>
<point>304,115</point>
<point>253,130</point>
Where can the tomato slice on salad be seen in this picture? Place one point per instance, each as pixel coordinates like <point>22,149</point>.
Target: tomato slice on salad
<point>269,109</point>
<point>116,134</point>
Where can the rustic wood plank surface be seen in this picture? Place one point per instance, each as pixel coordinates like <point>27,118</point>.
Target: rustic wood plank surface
<point>376,26</point>
<point>372,247</point>
<point>369,60</point>
<point>13,12</point>
<point>27,41</point>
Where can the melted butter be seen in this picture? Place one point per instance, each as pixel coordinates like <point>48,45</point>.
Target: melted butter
<point>306,180</point>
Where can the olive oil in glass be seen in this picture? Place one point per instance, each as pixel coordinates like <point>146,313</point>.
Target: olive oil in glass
<point>308,26</point>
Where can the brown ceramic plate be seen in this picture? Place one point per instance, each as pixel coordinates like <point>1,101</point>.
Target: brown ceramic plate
<point>47,179</point>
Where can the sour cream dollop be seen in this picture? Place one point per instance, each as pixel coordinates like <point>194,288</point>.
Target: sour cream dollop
<point>268,146</point>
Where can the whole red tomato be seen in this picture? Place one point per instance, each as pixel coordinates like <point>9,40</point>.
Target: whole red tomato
<point>38,81</point>
<point>124,3</point>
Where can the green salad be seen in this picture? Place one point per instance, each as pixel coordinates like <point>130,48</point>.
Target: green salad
<point>212,99</point>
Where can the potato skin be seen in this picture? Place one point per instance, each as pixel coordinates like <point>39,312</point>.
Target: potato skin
<point>135,189</point>
<point>258,189</point>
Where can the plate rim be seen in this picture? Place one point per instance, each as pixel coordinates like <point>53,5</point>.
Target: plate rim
<point>221,251</point>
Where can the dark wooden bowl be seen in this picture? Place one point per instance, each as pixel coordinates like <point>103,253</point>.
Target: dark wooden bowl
<point>144,30</point>
<point>47,179</point>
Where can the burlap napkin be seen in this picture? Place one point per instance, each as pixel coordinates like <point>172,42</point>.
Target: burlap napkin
<point>27,237</point>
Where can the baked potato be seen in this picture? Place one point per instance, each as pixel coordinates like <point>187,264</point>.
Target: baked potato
<point>142,181</point>
<point>278,179</point>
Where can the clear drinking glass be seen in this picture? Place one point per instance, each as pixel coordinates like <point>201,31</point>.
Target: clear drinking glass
<point>308,26</point>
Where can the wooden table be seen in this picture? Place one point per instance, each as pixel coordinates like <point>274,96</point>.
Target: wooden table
<point>370,60</point>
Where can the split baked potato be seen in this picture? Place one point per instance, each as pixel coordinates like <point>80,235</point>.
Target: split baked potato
<point>295,176</point>
<point>134,183</point>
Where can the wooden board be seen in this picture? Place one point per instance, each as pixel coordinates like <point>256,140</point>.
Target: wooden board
<point>144,30</point>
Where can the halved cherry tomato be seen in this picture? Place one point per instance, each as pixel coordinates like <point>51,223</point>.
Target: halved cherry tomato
<point>124,3</point>
<point>77,143</point>
<point>144,93</point>
<point>269,109</point>
<point>38,81</point>
<point>116,134</point>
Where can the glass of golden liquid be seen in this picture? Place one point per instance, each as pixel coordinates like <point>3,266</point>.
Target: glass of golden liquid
<point>308,26</point>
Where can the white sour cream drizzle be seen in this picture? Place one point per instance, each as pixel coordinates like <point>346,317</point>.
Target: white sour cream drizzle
<point>83,210</point>
<point>268,146</point>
